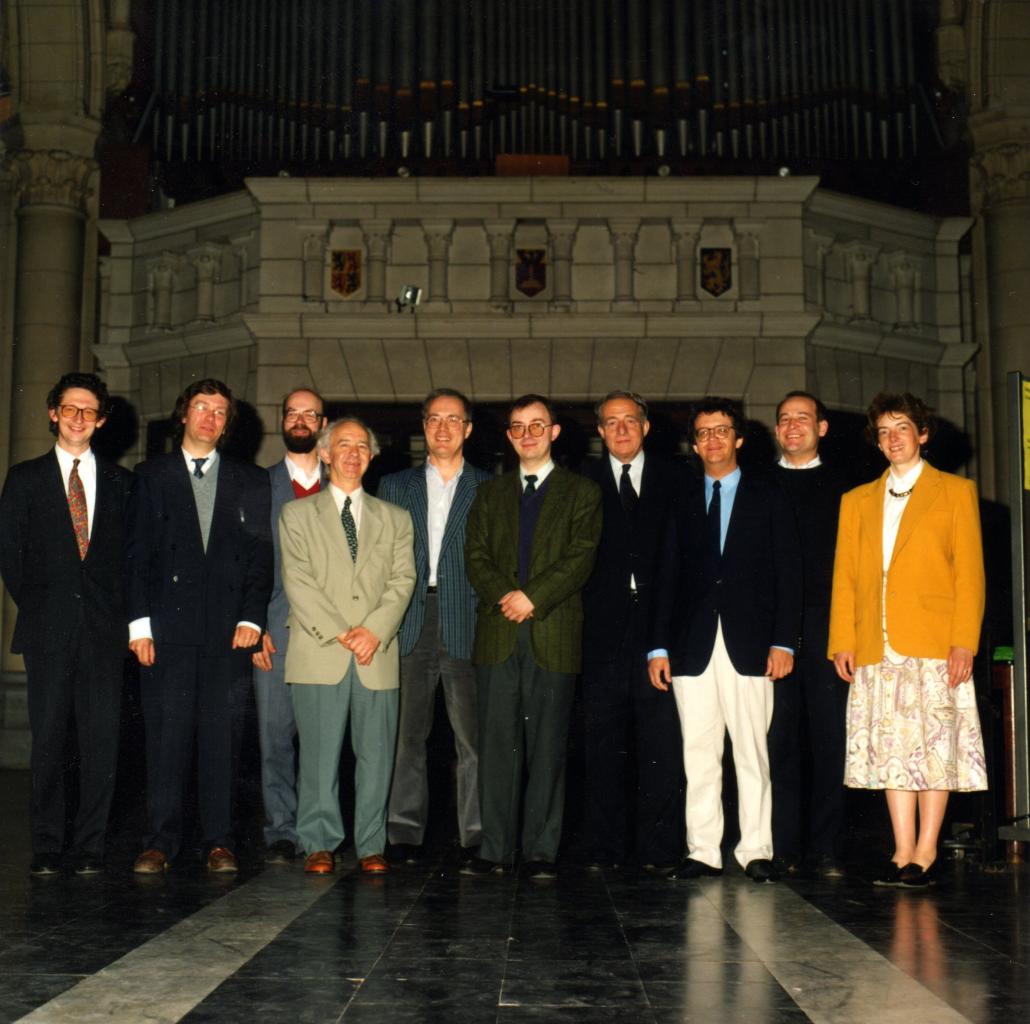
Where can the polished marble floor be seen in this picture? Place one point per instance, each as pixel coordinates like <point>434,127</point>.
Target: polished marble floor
<point>427,944</point>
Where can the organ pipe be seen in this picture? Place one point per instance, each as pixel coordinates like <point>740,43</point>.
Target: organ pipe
<point>312,81</point>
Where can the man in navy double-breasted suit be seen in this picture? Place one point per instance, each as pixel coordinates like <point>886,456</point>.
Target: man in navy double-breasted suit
<point>200,573</point>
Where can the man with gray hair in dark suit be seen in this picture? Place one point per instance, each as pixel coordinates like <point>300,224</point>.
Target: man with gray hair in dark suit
<point>436,634</point>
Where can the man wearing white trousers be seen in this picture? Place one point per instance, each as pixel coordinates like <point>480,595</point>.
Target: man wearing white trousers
<point>726,624</point>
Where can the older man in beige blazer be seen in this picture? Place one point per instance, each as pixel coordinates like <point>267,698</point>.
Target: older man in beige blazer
<point>349,570</point>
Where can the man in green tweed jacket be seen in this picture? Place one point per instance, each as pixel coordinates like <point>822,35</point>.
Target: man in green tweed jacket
<point>529,548</point>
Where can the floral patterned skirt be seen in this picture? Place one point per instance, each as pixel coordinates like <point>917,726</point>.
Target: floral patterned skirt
<point>907,729</point>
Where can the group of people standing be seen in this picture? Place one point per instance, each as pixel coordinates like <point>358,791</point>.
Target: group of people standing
<point>693,605</point>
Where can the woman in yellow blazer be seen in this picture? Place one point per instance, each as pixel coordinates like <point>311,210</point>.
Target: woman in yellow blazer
<point>908,600</point>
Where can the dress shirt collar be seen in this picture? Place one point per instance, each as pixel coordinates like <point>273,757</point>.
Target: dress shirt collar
<point>356,496</point>
<point>636,469</point>
<point>432,473</point>
<point>727,484</point>
<point>212,461</point>
<point>301,475</point>
<point>811,464</point>
<point>907,480</point>
<point>541,474</point>
<point>87,460</point>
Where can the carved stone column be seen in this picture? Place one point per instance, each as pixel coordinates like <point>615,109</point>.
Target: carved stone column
<point>562,234</point>
<point>748,263</point>
<point>438,243</point>
<point>314,260</point>
<point>624,244</point>
<point>1000,170</point>
<point>377,239</point>
<point>823,246</point>
<point>206,262</point>
<point>904,276</point>
<point>51,188</point>
<point>499,234</point>
<point>163,279</point>
<point>860,257</point>
<point>685,234</point>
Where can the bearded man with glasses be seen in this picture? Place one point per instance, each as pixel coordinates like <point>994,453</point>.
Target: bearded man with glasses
<point>531,542</point>
<point>62,549</point>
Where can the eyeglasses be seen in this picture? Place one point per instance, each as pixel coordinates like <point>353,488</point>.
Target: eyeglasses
<point>308,416</point>
<point>536,429</point>
<point>202,409</point>
<point>433,420</point>
<point>72,412</point>
<point>721,432</point>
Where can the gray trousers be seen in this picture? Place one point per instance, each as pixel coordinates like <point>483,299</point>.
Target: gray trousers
<point>421,670</point>
<point>321,713</point>
<point>276,732</point>
<point>523,721</point>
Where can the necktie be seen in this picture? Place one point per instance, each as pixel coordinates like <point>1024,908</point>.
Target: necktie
<point>77,507</point>
<point>198,467</point>
<point>350,529</point>
<point>530,484</point>
<point>713,529</point>
<point>626,492</point>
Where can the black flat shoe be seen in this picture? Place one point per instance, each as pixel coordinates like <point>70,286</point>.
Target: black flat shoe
<point>889,877</point>
<point>87,864</point>
<point>913,876</point>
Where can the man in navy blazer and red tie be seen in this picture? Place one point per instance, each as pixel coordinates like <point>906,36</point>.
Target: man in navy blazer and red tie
<point>439,625</point>
<point>200,574</point>
<point>726,624</point>
<point>62,557</point>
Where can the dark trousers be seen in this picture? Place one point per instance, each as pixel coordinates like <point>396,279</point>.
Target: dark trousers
<point>809,715</point>
<point>421,671</point>
<point>634,762</point>
<point>523,723</point>
<point>189,696</point>
<point>82,681</point>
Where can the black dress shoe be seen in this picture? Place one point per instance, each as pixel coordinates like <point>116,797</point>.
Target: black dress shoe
<point>88,864</point>
<point>659,870</point>
<point>44,864</point>
<point>912,876</point>
<point>829,869</point>
<point>787,867</point>
<point>282,851</point>
<point>761,870</point>
<point>540,870</point>
<point>690,869</point>
<point>889,877</point>
<point>480,866</point>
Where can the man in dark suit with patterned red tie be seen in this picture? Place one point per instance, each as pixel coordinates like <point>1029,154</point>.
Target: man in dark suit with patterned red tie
<point>62,521</point>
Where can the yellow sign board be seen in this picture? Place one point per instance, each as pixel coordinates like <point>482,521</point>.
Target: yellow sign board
<point>1026,435</point>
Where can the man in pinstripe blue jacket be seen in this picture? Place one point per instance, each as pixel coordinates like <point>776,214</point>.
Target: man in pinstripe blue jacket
<point>437,631</point>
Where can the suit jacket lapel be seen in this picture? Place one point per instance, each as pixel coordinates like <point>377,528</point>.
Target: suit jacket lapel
<point>368,532</point>
<point>226,492</point>
<point>925,492</point>
<point>57,499</point>
<point>330,524</point>
<point>554,497</point>
<point>102,506</point>
<point>873,515</point>
<point>418,506</point>
<point>464,492</point>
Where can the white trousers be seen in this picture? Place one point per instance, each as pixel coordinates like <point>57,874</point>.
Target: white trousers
<point>709,705</point>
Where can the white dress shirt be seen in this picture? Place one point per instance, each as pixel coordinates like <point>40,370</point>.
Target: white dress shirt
<point>439,498</point>
<point>87,474</point>
<point>301,476</point>
<point>811,464</point>
<point>541,474</point>
<point>340,496</point>
<point>894,508</point>
<point>636,474</point>
<point>211,460</point>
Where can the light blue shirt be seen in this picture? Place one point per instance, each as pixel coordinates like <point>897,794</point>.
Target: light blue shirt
<point>727,495</point>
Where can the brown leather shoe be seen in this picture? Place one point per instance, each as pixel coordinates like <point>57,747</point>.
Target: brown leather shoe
<point>374,864</point>
<point>150,862</point>
<point>321,862</point>
<point>221,861</point>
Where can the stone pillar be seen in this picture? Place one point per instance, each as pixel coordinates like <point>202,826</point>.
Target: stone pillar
<point>748,264</point>
<point>205,263</point>
<point>903,274</point>
<point>1000,169</point>
<point>685,234</point>
<point>377,239</point>
<point>624,244</point>
<point>52,189</point>
<point>860,257</point>
<point>163,276</point>
<point>314,260</point>
<point>823,246</point>
<point>438,243</point>
<point>499,234</point>
<point>562,234</point>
